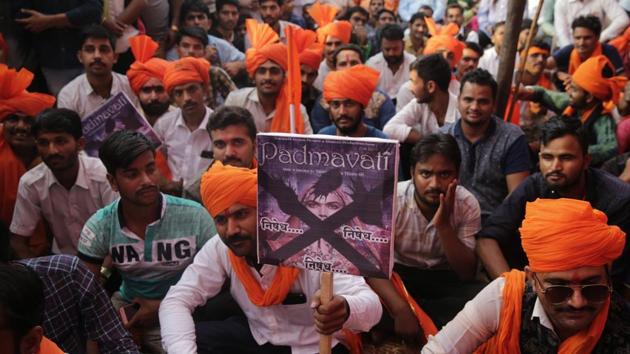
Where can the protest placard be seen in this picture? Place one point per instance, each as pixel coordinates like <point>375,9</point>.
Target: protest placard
<point>117,113</point>
<point>327,203</point>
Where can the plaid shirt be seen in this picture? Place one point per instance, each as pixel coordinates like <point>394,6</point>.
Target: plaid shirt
<point>77,308</point>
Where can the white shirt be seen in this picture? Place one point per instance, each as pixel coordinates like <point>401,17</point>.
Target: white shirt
<point>489,61</point>
<point>405,95</point>
<point>323,71</point>
<point>248,98</point>
<point>477,322</point>
<point>289,325</point>
<point>612,16</point>
<point>390,82</point>
<point>79,96</point>
<point>183,147</point>
<point>417,242</point>
<point>419,117</point>
<point>41,196</point>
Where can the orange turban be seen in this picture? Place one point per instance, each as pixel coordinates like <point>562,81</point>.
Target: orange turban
<point>310,52</point>
<point>443,38</point>
<point>13,95</point>
<point>563,234</point>
<point>223,186</point>
<point>265,47</point>
<point>589,77</point>
<point>324,15</point>
<point>145,67</point>
<point>356,83</point>
<point>186,70</point>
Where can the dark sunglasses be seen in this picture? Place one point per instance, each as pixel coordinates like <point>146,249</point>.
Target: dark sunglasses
<point>557,294</point>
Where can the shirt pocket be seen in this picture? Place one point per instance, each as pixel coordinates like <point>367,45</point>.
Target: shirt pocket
<point>300,314</point>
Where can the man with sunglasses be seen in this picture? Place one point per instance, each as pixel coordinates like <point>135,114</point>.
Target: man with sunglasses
<point>563,302</point>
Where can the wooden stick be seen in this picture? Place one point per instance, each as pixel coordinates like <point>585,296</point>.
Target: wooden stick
<point>326,294</point>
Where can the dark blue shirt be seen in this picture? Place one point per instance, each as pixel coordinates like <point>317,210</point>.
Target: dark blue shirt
<point>562,57</point>
<point>371,132</point>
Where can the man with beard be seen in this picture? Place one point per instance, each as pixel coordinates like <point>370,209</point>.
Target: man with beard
<point>347,93</point>
<point>150,237</point>
<point>65,190</point>
<point>565,172</point>
<point>392,62</point>
<point>271,13</point>
<point>225,26</point>
<point>469,61</point>
<point>89,91</point>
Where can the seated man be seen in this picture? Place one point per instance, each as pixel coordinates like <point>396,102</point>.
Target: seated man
<point>563,302</point>
<point>285,316</point>
<point>347,93</point>
<point>489,61</point>
<point>151,237</point>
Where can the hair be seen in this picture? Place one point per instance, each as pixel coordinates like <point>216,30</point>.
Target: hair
<point>192,5</point>
<point>497,25</point>
<point>21,298</point>
<point>540,44</point>
<point>121,148</point>
<point>435,68</point>
<point>352,47</point>
<point>474,47</point>
<point>591,22</point>
<point>58,120</point>
<point>221,3</point>
<point>382,11</point>
<point>354,9</point>
<point>557,127</point>
<point>526,24</point>
<point>226,116</point>
<point>480,77</point>
<point>429,145</point>
<point>98,32</point>
<point>194,32</point>
<point>455,6</point>
<point>417,16</point>
<point>392,32</point>
<point>279,2</point>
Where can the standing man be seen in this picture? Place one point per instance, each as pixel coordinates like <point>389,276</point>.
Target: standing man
<point>495,154</point>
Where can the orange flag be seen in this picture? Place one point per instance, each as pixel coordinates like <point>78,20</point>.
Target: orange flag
<point>294,78</point>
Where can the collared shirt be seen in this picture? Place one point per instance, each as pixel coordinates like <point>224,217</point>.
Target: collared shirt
<point>405,95</point>
<point>79,96</point>
<point>417,241</point>
<point>74,298</point>
<point>289,325</point>
<point>493,11</point>
<point>187,152</point>
<point>489,61</point>
<point>418,116</point>
<point>40,195</point>
<point>248,98</point>
<point>612,16</point>
<point>485,164</point>
<point>149,265</point>
<point>409,48</point>
<point>406,8</point>
<point>322,72</point>
<point>390,82</point>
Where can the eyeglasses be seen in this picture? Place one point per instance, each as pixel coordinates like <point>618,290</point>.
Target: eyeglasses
<point>557,294</point>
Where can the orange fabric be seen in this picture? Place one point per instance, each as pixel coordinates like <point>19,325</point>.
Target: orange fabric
<point>392,5</point>
<point>570,111</point>
<point>13,95</point>
<point>356,83</point>
<point>224,185</point>
<point>46,346</point>
<point>337,29</point>
<point>575,61</point>
<point>589,77</point>
<point>533,107</point>
<point>427,325</point>
<point>12,169</point>
<point>535,50</point>
<point>185,71</point>
<point>310,52</point>
<point>162,165</point>
<point>322,14</point>
<point>293,85</point>
<point>443,39</point>
<point>145,67</point>
<point>622,43</point>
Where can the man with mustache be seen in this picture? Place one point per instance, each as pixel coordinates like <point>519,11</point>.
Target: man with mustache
<point>563,302</point>
<point>64,191</point>
<point>469,61</point>
<point>564,172</point>
<point>150,237</point>
<point>271,13</point>
<point>89,91</point>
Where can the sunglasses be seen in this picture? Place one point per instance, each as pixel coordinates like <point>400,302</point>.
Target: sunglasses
<point>557,294</point>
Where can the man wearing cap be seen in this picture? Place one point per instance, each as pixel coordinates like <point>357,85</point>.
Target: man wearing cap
<point>283,312</point>
<point>563,302</point>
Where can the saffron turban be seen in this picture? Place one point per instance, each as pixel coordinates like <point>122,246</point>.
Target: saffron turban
<point>311,58</point>
<point>310,52</point>
<point>444,42</point>
<point>145,67</point>
<point>223,186</point>
<point>324,17</point>
<point>265,47</point>
<point>564,234</point>
<point>356,83</point>
<point>589,77</point>
<point>13,95</point>
<point>186,70</point>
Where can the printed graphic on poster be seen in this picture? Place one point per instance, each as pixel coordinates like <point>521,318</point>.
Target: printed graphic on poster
<point>116,114</point>
<point>327,203</point>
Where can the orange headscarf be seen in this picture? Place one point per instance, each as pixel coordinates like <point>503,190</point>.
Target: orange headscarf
<point>443,39</point>
<point>356,83</point>
<point>13,95</point>
<point>221,187</point>
<point>324,17</point>
<point>589,77</point>
<point>575,61</point>
<point>186,70</point>
<point>146,66</point>
<point>557,235</point>
<point>622,43</point>
<point>310,52</point>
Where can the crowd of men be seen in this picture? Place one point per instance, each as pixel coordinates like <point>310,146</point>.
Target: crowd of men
<point>510,232</point>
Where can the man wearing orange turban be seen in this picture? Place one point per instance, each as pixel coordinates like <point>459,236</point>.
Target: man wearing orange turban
<point>310,55</point>
<point>281,304</point>
<point>18,153</point>
<point>567,304</point>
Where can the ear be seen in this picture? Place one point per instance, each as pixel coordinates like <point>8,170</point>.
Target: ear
<point>115,56</point>
<point>30,342</point>
<point>79,56</point>
<point>112,182</point>
<point>431,86</point>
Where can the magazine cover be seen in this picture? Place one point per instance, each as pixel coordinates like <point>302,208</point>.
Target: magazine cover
<point>327,203</point>
<point>116,114</point>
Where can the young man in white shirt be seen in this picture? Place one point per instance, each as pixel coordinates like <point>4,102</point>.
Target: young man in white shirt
<point>490,58</point>
<point>282,305</point>
<point>65,190</point>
